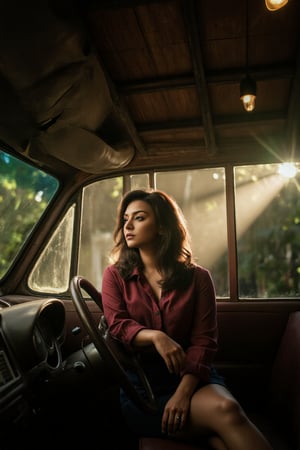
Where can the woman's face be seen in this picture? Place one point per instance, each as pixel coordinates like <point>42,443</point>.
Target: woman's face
<point>140,228</point>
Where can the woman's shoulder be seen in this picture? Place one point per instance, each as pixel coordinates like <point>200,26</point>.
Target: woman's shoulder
<point>201,272</point>
<point>111,269</point>
<point>203,280</point>
<point>111,276</point>
<point>197,268</point>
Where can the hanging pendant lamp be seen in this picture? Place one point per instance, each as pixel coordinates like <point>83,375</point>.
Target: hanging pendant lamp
<point>248,93</point>
<point>274,5</point>
<point>247,84</point>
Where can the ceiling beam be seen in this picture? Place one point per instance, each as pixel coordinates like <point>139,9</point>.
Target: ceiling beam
<point>217,77</point>
<point>233,121</point>
<point>190,16</point>
<point>123,114</point>
<point>114,4</point>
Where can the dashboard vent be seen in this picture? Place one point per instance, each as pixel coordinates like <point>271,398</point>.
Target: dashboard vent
<point>6,372</point>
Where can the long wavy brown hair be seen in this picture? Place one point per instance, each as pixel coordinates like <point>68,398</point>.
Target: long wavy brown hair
<point>174,255</point>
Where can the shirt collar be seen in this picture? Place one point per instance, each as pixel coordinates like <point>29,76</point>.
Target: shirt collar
<point>135,273</point>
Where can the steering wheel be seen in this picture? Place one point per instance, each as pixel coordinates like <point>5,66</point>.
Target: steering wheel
<point>109,349</point>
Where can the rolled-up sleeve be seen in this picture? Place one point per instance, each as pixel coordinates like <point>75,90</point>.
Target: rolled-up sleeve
<point>115,307</point>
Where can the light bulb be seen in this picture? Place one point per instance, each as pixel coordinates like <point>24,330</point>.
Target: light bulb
<point>248,93</point>
<point>249,102</point>
<point>274,5</point>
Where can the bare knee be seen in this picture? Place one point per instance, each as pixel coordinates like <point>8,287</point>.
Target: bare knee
<point>230,411</point>
<point>214,409</point>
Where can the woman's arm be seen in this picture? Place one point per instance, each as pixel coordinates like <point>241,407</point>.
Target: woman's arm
<point>121,325</point>
<point>171,352</point>
<point>203,342</point>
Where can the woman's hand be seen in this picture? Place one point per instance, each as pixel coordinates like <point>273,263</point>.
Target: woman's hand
<point>171,352</point>
<point>175,414</point>
<point>177,408</point>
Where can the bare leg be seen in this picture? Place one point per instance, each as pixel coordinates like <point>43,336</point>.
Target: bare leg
<point>216,443</point>
<point>214,410</point>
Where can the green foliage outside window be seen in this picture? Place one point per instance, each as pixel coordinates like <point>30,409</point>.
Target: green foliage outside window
<point>25,192</point>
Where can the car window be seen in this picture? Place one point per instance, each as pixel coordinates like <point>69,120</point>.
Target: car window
<point>244,224</point>
<point>268,230</point>
<point>201,195</point>
<point>243,220</point>
<point>51,272</point>
<point>99,206</point>
<point>25,193</point>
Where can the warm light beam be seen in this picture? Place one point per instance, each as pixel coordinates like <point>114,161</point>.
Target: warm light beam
<point>207,218</point>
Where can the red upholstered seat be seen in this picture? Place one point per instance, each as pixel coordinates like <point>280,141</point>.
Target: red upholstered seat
<point>280,421</point>
<point>166,444</point>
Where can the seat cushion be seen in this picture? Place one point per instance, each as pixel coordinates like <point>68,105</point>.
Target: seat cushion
<point>262,421</point>
<point>166,444</point>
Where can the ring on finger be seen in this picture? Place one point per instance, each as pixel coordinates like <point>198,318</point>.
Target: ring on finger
<point>177,418</point>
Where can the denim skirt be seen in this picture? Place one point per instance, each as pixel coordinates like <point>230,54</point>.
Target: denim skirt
<point>163,386</point>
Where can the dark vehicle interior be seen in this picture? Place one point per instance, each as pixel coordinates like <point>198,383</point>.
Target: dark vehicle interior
<point>108,93</point>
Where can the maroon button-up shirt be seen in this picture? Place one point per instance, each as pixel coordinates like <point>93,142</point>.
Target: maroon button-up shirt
<point>189,317</point>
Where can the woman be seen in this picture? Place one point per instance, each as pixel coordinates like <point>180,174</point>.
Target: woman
<point>158,301</point>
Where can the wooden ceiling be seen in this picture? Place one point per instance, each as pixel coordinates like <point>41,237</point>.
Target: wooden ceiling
<point>174,69</point>
<point>100,86</point>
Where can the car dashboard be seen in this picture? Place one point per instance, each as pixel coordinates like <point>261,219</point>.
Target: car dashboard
<point>31,335</point>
